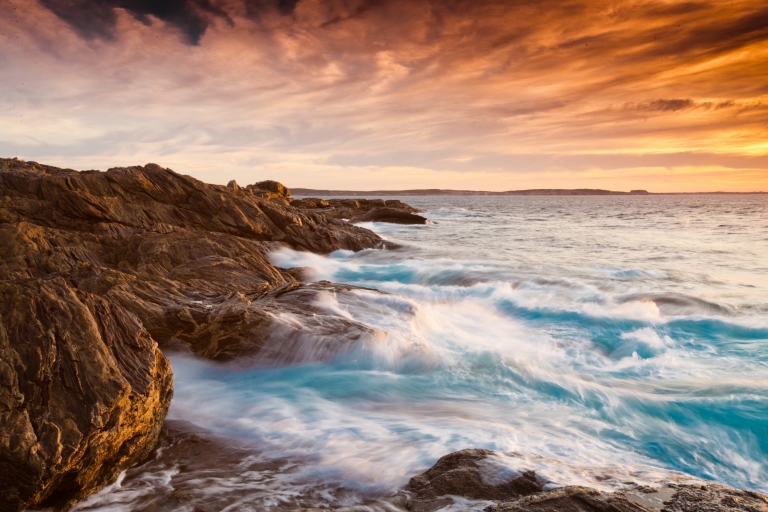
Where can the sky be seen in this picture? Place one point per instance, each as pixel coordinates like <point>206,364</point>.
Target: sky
<point>667,96</point>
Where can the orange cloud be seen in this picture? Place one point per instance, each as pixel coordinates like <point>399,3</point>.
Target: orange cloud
<point>656,94</point>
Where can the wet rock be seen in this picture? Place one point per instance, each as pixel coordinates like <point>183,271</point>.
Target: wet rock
<point>460,474</point>
<point>392,216</point>
<point>189,460</point>
<point>474,475</point>
<point>170,478</point>
<point>83,393</point>
<point>570,499</point>
<point>362,210</point>
<point>97,269</point>
<point>200,282</point>
<point>714,498</point>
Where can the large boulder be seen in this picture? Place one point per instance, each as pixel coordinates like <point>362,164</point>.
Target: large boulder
<point>461,474</point>
<point>272,186</point>
<point>83,393</point>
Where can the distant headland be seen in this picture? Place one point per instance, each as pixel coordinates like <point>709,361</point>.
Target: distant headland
<point>529,192</point>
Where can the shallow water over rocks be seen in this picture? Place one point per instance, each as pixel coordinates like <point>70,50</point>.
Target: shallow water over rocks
<point>603,342</point>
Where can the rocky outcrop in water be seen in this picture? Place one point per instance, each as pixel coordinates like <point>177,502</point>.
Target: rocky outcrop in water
<point>363,210</point>
<point>187,258</point>
<point>99,268</point>
<point>472,474</point>
<point>391,215</point>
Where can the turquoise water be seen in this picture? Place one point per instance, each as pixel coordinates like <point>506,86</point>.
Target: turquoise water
<point>598,340</point>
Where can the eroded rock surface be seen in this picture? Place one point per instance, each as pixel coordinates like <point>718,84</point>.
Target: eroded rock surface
<point>362,210</point>
<point>98,268</point>
<point>471,474</point>
<point>460,474</point>
<point>187,258</point>
<point>392,216</point>
<point>150,199</point>
<point>83,392</point>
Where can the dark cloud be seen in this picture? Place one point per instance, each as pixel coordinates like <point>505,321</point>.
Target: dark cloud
<point>94,19</point>
<point>257,8</point>
<point>709,33</point>
<point>91,19</point>
<point>358,11</point>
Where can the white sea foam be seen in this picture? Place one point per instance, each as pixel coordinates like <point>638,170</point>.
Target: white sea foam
<point>593,354</point>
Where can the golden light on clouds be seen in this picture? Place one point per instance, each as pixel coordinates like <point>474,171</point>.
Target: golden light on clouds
<point>495,95</point>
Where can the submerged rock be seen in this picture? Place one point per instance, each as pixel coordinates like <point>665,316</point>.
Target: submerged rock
<point>83,393</point>
<point>470,474</point>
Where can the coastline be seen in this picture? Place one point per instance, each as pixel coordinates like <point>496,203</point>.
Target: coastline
<point>163,262</point>
<point>308,192</point>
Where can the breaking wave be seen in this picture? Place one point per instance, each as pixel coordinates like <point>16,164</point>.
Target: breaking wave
<point>593,356</point>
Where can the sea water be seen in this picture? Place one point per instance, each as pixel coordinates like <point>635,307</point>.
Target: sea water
<point>599,340</point>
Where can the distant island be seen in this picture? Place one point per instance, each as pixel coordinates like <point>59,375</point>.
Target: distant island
<point>448,192</point>
<point>312,192</point>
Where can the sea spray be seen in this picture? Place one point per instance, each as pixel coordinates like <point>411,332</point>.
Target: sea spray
<point>588,339</point>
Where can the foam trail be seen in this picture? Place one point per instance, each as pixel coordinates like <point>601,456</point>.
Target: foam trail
<point>591,341</point>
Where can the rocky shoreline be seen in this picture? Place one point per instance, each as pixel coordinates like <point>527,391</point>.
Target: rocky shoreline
<point>103,271</point>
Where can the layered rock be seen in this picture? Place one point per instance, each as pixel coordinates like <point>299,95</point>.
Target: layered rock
<point>392,216</point>
<point>473,474</point>
<point>362,210</point>
<point>97,269</point>
<point>150,199</point>
<point>83,392</point>
<point>187,258</point>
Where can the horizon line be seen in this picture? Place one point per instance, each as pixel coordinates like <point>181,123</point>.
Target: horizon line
<point>532,191</point>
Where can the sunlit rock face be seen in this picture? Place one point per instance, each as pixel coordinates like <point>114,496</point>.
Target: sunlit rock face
<point>187,258</point>
<point>84,390</point>
<point>100,269</point>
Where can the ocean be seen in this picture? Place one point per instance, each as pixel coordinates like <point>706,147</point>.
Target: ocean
<point>599,340</point>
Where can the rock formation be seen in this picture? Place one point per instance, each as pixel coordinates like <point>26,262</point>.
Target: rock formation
<point>187,258</point>
<point>97,269</point>
<point>83,392</point>
<point>362,210</point>
<point>391,215</point>
<point>471,474</point>
<point>100,270</point>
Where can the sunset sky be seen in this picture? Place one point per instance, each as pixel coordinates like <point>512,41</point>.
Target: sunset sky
<point>371,94</point>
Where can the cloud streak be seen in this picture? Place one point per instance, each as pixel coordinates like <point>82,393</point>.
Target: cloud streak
<point>389,93</point>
